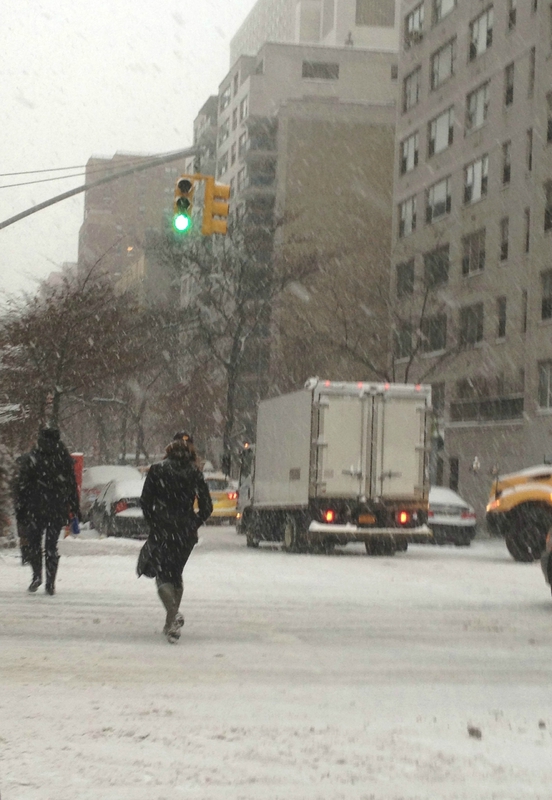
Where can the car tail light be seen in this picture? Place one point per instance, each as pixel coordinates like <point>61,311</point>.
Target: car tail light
<point>122,505</point>
<point>403,517</point>
<point>467,515</point>
<point>549,541</point>
<point>329,515</point>
<point>232,495</point>
<point>430,513</point>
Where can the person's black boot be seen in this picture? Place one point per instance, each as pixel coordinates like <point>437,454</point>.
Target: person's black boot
<point>35,583</point>
<point>51,571</point>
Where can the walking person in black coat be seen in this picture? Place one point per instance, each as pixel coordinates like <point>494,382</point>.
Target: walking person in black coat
<point>45,497</point>
<point>168,497</point>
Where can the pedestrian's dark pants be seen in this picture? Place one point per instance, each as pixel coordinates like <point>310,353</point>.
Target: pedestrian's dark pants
<point>51,531</point>
<point>172,549</point>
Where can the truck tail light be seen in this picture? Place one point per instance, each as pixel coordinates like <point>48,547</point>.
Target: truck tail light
<point>404,517</point>
<point>430,513</point>
<point>329,515</point>
<point>232,495</point>
<point>122,505</point>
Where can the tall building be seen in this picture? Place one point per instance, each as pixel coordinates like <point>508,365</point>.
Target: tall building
<point>472,274</point>
<point>370,24</point>
<point>118,215</point>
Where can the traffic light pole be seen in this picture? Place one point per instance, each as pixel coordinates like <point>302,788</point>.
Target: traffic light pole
<point>155,162</point>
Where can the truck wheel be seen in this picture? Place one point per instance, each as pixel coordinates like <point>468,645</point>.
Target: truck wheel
<point>380,547</point>
<point>251,542</point>
<point>293,540</point>
<point>518,550</point>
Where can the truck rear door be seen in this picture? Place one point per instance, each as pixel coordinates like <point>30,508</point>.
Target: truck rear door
<point>398,459</point>
<point>341,445</point>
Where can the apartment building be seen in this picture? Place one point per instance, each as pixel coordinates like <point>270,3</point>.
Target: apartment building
<point>370,24</point>
<point>118,216</point>
<point>471,257</point>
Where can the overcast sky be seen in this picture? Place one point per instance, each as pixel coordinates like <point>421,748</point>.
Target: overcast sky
<point>83,78</point>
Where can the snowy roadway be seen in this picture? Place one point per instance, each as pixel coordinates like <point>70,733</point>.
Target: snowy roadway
<point>298,676</point>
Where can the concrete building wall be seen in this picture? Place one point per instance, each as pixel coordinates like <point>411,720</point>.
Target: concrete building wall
<point>492,409</point>
<point>334,183</point>
<point>370,24</point>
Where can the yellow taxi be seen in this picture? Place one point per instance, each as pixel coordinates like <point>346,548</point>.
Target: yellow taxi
<point>224,495</point>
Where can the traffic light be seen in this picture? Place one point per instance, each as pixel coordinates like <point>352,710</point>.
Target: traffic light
<point>183,199</point>
<point>215,209</point>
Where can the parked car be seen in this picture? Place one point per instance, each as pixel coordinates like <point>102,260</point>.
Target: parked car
<point>451,519</point>
<point>224,495</point>
<point>546,559</point>
<point>116,511</point>
<point>94,479</point>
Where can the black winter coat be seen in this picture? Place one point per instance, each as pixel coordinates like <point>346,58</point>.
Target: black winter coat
<point>168,496</point>
<point>45,490</point>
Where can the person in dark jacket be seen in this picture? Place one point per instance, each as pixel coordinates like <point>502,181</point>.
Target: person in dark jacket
<point>45,496</point>
<point>170,490</point>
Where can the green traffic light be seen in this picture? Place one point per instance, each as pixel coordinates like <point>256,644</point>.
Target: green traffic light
<point>182,223</point>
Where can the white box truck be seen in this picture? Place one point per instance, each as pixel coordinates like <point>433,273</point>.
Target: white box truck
<point>337,463</point>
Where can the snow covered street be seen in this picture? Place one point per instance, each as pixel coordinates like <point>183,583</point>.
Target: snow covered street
<point>297,676</point>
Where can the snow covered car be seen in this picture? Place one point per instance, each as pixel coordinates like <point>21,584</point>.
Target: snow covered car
<point>451,519</point>
<point>546,559</point>
<point>117,512</point>
<point>224,495</point>
<point>94,479</point>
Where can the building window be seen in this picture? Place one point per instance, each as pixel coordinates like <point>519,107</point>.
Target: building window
<point>476,180</point>
<point>259,69</point>
<point>529,149</point>
<point>223,164</point>
<point>524,311</point>
<point>320,70</point>
<point>224,131</point>
<point>236,82</point>
<point>411,89</point>
<point>225,98</point>
<point>234,119</point>
<point>441,8</point>
<point>441,132</point>
<point>527,221</point>
<point>241,178</point>
<point>394,72</point>
<point>546,301</point>
<point>402,341</point>
<point>481,33</point>
<point>532,71</point>
<point>504,236</point>
<point>506,162</point>
<point>509,85</point>
<point>233,154</point>
<point>512,14</point>
<point>501,317</point>
<point>454,473</point>
<point>477,106</point>
<point>242,144</point>
<point>442,64</point>
<point>413,26</point>
<point>548,206</point>
<point>434,333</point>
<point>378,13</point>
<point>549,117</point>
<point>471,325</point>
<point>407,216</point>
<point>438,398</point>
<point>545,384</point>
<point>244,108</point>
<point>405,278</point>
<point>438,201</point>
<point>436,267</point>
<point>409,153</point>
<point>473,252</point>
